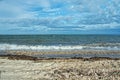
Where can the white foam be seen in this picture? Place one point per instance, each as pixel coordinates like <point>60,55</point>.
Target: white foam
<point>37,47</point>
<point>53,47</point>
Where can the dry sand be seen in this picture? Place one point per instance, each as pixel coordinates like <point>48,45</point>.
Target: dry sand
<point>59,69</point>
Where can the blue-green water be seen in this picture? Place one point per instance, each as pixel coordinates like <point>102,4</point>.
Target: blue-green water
<point>59,42</point>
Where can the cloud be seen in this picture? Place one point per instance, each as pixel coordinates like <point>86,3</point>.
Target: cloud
<point>13,9</point>
<point>60,15</point>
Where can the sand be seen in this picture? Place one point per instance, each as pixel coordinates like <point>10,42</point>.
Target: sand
<point>20,65</point>
<point>59,69</point>
<point>17,52</point>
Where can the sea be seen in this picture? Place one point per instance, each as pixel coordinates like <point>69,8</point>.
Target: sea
<point>59,42</point>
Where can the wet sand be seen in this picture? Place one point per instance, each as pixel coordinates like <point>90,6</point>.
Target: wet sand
<point>25,52</point>
<point>68,54</point>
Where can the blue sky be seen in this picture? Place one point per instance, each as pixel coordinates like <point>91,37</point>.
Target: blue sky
<point>59,16</point>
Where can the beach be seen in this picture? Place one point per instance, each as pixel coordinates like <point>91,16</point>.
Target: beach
<point>67,54</point>
<point>59,57</point>
<point>23,65</point>
<point>60,65</point>
<point>59,69</point>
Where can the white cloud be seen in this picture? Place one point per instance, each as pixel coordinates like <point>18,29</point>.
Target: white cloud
<point>113,25</point>
<point>46,15</point>
<point>14,9</point>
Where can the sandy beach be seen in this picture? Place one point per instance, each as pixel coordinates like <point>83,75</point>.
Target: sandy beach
<point>30,53</point>
<point>60,65</point>
<point>29,68</point>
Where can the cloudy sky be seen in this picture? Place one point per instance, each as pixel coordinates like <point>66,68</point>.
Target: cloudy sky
<point>59,16</point>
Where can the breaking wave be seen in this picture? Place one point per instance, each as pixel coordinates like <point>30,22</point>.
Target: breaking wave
<point>57,47</point>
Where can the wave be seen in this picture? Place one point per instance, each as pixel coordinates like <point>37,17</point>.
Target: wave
<point>57,47</point>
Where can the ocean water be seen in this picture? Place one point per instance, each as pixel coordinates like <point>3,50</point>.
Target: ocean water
<point>59,42</point>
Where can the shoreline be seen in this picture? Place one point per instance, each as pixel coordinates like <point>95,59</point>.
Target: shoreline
<point>25,57</point>
<point>66,54</point>
<point>32,52</point>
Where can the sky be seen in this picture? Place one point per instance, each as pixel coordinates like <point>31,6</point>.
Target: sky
<point>59,16</point>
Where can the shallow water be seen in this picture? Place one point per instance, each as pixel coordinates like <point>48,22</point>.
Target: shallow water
<point>77,55</point>
<point>71,55</point>
<point>59,42</point>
